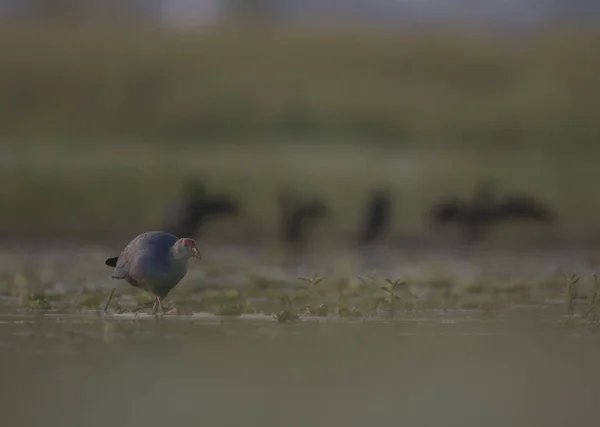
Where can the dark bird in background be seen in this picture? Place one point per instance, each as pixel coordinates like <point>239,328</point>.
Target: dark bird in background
<point>377,217</point>
<point>297,217</point>
<point>486,209</point>
<point>522,206</point>
<point>195,208</point>
<point>471,216</point>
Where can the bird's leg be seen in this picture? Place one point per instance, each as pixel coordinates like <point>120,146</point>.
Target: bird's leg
<point>155,306</point>
<point>159,299</point>
<point>109,299</point>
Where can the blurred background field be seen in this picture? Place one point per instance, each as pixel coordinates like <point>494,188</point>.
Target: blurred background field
<point>101,124</point>
<point>420,87</point>
<point>112,189</point>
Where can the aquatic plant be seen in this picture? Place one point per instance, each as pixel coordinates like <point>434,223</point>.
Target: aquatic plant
<point>286,314</point>
<point>320,311</point>
<point>312,282</point>
<point>396,290</point>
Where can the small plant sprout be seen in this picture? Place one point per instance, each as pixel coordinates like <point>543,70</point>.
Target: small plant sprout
<point>570,294</point>
<point>312,282</point>
<point>392,290</point>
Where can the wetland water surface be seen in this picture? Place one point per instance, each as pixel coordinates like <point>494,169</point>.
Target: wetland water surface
<point>430,369</point>
<point>520,364</point>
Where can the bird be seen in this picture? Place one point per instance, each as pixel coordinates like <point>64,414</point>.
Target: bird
<point>297,217</point>
<point>155,261</point>
<point>471,217</point>
<point>486,209</point>
<point>196,207</point>
<point>377,215</point>
<point>522,206</point>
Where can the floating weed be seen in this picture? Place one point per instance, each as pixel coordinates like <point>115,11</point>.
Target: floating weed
<point>119,309</point>
<point>320,311</point>
<point>351,312</point>
<point>286,316</point>
<point>37,303</point>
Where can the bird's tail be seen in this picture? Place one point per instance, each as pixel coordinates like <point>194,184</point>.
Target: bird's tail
<point>112,262</point>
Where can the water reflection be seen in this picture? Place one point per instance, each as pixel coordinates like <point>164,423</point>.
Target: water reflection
<point>433,369</point>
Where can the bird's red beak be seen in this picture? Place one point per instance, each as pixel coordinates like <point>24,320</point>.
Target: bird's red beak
<point>196,253</point>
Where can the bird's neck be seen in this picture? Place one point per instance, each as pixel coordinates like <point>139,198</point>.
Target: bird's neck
<point>177,257</point>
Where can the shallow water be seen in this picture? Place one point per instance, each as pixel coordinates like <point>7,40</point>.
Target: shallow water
<point>522,367</point>
<point>518,363</point>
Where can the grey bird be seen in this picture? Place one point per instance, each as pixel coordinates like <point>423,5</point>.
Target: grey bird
<point>155,261</point>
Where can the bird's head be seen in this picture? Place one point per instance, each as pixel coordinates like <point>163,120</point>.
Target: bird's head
<point>186,248</point>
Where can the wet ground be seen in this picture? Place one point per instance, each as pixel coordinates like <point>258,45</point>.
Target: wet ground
<point>492,344</point>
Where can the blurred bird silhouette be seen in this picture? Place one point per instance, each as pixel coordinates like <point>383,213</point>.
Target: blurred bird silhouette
<point>297,217</point>
<point>195,208</point>
<point>377,217</point>
<point>486,209</point>
<point>522,206</point>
